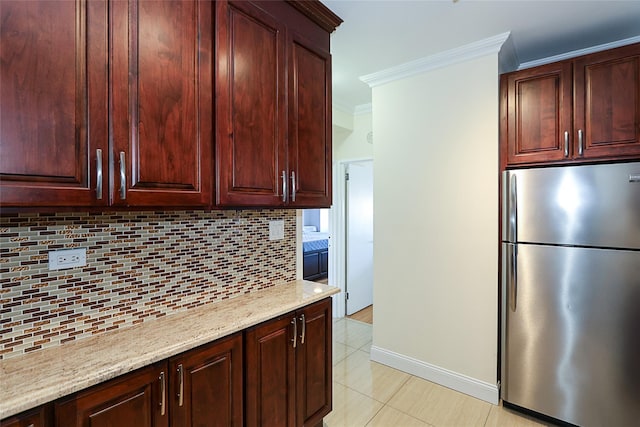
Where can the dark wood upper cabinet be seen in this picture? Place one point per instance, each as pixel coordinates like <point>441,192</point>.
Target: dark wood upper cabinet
<point>539,116</point>
<point>273,101</point>
<point>53,103</point>
<point>161,68</point>
<point>250,105</point>
<point>207,385</point>
<point>607,103</point>
<point>60,59</point>
<point>136,399</point>
<point>579,110</point>
<point>111,103</point>
<point>310,123</point>
<point>288,366</point>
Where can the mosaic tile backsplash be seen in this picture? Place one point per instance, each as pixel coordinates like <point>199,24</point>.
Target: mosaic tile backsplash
<point>140,266</point>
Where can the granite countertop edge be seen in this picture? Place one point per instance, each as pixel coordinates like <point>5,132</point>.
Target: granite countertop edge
<point>46,375</point>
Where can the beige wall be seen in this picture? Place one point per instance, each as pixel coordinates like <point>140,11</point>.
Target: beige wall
<point>436,220</point>
<point>354,145</point>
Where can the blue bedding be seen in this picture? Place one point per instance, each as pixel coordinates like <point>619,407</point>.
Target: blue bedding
<point>315,245</point>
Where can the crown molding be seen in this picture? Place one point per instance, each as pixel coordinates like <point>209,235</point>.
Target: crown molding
<point>363,109</point>
<point>579,52</point>
<point>453,56</point>
<point>342,107</point>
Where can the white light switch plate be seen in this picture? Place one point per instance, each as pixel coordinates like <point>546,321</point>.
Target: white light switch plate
<point>276,230</point>
<point>67,258</point>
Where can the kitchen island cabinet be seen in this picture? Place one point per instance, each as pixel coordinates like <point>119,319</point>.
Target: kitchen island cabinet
<point>580,110</point>
<point>273,104</point>
<point>289,368</point>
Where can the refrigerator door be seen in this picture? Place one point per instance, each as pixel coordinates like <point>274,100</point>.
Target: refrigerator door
<point>571,340</point>
<point>592,205</point>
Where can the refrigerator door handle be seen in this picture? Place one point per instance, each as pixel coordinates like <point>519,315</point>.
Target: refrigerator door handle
<point>513,209</point>
<point>509,207</point>
<point>513,279</point>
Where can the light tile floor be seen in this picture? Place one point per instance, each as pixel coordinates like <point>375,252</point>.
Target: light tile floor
<point>367,393</point>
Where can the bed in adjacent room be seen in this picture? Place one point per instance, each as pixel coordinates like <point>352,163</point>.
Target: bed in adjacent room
<point>315,248</point>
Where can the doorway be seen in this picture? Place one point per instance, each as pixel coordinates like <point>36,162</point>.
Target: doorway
<point>358,237</point>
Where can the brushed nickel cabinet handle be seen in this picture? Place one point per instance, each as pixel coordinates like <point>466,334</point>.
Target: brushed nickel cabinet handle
<point>123,177</point>
<point>566,144</point>
<point>284,186</point>
<point>99,174</point>
<point>304,329</point>
<point>295,332</point>
<point>293,186</point>
<point>580,142</point>
<point>163,397</point>
<point>180,385</point>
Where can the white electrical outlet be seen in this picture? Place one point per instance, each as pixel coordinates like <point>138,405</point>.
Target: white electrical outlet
<point>276,230</point>
<point>67,258</point>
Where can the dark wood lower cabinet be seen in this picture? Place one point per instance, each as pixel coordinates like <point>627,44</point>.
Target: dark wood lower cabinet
<point>202,387</point>
<point>136,399</point>
<point>279,375</point>
<point>206,386</point>
<point>38,417</point>
<point>288,368</point>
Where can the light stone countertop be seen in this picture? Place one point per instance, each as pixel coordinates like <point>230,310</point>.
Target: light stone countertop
<point>46,375</point>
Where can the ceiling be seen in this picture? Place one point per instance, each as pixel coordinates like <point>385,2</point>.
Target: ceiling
<point>381,34</point>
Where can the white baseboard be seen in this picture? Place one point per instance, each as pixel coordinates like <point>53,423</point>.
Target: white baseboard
<point>453,380</point>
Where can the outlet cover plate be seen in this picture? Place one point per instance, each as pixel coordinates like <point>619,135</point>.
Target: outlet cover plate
<point>67,258</point>
<point>276,230</point>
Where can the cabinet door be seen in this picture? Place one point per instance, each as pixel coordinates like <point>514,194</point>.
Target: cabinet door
<point>162,102</point>
<point>313,363</point>
<point>53,103</point>
<point>607,103</point>
<point>137,399</point>
<point>309,100</point>
<point>206,386</point>
<point>38,417</point>
<point>539,105</point>
<point>250,106</point>
<point>270,373</point>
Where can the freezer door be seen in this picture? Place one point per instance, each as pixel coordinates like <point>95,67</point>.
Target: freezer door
<point>592,205</point>
<point>571,340</point>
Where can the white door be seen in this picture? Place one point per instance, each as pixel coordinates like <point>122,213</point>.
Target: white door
<point>359,212</point>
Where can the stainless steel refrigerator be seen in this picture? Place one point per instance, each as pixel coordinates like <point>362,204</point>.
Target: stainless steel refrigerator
<point>571,292</point>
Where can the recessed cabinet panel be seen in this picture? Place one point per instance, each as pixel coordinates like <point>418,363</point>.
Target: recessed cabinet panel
<point>608,104</point>
<point>53,103</point>
<point>539,114</point>
<point>250,145</point>
<point>314,367</point>
<point>309,109</point>
<point>136,399</point>
<point>162,102</point>
<point>579,110</point>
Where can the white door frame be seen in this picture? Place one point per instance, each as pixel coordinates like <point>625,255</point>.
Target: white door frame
<point>337,224</point>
